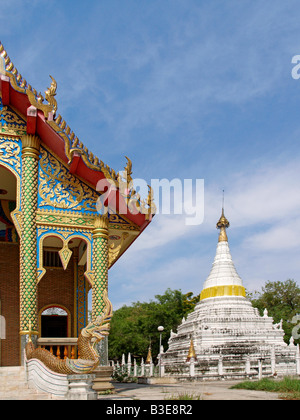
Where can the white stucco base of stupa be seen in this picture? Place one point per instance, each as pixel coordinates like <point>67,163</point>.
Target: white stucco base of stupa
<point>231,340</point>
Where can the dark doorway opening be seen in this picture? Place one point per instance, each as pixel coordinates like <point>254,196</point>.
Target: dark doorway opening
<point>54,326</point>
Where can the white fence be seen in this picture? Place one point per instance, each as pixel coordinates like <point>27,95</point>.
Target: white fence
<point>135,368</point>
<point>217,367</point>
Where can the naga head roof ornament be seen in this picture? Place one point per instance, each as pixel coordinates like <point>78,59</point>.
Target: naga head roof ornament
<point>49,109</point>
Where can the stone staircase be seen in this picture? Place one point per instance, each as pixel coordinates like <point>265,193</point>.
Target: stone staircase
<point>13,385</point>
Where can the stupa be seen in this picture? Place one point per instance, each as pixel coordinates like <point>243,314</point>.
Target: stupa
<point>225,335</point>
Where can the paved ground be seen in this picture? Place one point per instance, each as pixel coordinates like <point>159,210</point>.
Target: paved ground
<point>201,390</point>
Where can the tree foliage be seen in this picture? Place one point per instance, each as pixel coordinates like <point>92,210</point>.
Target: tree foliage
<point>134,328</point>
<point>282,300</point>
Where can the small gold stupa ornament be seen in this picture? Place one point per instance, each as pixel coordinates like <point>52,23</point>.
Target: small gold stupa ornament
<point>149,356</point>
<point>191,352</point>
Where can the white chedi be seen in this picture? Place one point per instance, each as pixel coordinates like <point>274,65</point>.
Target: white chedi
<point>224,322</point>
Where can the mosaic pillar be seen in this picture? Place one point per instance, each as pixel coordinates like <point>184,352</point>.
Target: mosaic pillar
<point>80,298</point>
<point>28,239</point>
<point>100,284</point>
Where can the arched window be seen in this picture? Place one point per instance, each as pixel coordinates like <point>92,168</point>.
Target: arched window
<point>54,322</point>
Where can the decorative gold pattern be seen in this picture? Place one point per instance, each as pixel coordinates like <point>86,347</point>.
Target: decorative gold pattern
<point>10,152</point>
<point>72,219</point>
<point>65,254</point>
<point>66,235</point>
<point>59,189</point>
<point>65,219</point>
<point>12,125</point>
<point>114,250</point>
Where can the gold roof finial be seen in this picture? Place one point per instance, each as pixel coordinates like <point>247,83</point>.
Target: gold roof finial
<point>223,224</point>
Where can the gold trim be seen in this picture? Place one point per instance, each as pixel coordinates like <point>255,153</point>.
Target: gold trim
<point>65,235</point>
<point>101,224</point>
<point>216,291</point>
<point>31,146</point>
<point>29,332</point>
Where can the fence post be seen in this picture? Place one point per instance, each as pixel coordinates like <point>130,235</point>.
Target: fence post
<point>123,368</point>
<point>192,366</point>
<point>259,369</point>
<point>151,368</point>
<point>134,367</point>
<point>273,360</point>
<point>247,368</point>
<point>142,367</point>
<point>297,360</point>
<point>162,368</point>
<point>129,364</point>
<point>220,366</point>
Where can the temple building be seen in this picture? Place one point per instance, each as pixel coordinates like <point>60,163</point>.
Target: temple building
<point>65,219</point>
<point>225,336</point>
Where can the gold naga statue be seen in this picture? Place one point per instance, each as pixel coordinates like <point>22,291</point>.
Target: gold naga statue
<point>94,332</point>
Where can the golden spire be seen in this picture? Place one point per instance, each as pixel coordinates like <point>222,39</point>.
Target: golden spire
<point>223,224</point>
<point>191,352</point>
<point>149,356</point>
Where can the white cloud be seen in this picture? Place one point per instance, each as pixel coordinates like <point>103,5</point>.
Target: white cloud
<point>264,195</point>
<point>282,236</point>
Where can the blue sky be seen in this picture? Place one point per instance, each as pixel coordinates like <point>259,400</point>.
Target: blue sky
<point>189,90</point>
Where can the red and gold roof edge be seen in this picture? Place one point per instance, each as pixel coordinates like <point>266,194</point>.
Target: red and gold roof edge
<point>41,119</point>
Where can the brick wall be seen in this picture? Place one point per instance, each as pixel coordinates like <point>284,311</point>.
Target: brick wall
<point>9,296</point>
<point>56,287</point>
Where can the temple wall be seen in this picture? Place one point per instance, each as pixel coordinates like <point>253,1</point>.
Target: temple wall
<point>9,296</point>
<point>56,287</point>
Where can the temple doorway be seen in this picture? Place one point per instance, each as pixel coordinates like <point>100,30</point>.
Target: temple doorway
<point>54,322</point>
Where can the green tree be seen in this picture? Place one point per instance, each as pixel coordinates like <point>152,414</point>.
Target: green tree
<point>282,300</point>
<point>134,328</point>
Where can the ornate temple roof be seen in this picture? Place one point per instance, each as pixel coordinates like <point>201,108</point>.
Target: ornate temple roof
<point>223,279</point>
<point>40,113</point>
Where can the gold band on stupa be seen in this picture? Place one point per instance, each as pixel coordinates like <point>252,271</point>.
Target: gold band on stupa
<point>217,291</point>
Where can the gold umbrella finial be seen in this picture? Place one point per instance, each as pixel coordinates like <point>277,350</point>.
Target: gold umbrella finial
<point>223,224</point>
